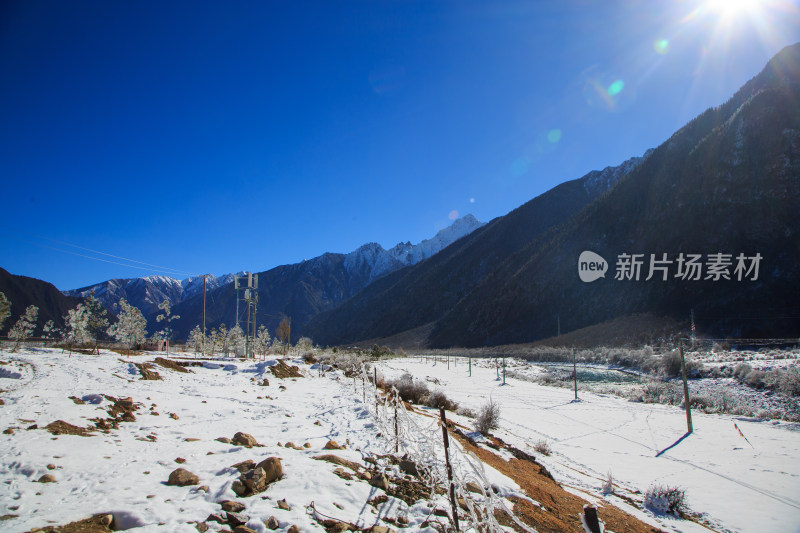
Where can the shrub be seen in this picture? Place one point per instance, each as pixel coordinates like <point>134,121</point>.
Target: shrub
<point>411,391</point>
<point>488,418</point>
<point>663,499</point>
<point>608,485</point>
<point>671,364</point>
<point>543,447</point>
<point>467,412</point>
<point>439,399</point>
<point>789,382</point>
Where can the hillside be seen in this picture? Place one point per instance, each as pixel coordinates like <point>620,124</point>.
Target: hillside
<point>23,291</point>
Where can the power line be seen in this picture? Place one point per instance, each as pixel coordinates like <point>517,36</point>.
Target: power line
<point>152,267</point>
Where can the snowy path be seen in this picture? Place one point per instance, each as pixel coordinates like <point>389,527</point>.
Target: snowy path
<point>737,487</point>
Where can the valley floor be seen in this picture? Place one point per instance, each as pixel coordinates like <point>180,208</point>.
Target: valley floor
<point>746,481</point>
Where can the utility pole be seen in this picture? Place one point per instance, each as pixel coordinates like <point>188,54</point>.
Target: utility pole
<point>575,373</point>
<point>686,402</point>
<point>204,313</point>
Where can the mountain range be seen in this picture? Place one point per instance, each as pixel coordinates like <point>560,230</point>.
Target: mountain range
<point>721,193</point>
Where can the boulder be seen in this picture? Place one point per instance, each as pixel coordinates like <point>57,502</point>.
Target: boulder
<point>380,481</point>
<point>272,523</point>
<point>182,478</point>
<point>47,478</point>
<point>273,469</point>
<point>230,506</point>
<point>244,466</point>
<point>236,519</point>
<point>333,445</point>
<point>254,480</point>
<point>244,439</point>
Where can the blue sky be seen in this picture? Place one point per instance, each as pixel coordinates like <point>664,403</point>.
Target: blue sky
<point>226,136</point>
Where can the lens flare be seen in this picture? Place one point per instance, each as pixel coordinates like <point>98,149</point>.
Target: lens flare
<point>554,136</point>
<point>615,88</point>
<point>453,215</point>
<point>661,46</point>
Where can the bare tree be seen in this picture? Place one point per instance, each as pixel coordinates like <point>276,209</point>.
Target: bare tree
<point>284,332</point>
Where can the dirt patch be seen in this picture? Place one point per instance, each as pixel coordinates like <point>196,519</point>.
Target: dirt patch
<point>145,369</point>
<point>77,401</point>
<point>283,371</point>
<point>95,524</point>
<point>172,365</point>
<point>59,427</point>
<point>560,510</point>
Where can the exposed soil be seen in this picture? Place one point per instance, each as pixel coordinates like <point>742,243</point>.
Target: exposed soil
<point>59,427</point>
<point>560,510</point>
<point>172,365</point>
<point>145,369</point>
<point>94,524</point>
<point>283,371</point>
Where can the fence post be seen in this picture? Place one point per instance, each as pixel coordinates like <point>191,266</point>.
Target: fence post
<point>574,373</point>
<point>470,365</point>
<point>591,519</point>
<point>504,369</point>
<point>453,502</point>
<point>376,389</point>
<point>396,433</point>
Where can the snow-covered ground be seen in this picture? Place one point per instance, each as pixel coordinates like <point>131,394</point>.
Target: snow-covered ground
<point>747,482</point>
<point>123,472</point>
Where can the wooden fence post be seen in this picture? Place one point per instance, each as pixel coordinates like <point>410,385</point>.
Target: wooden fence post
<point>591,519</point>
<point>453,502</point>
<point>686,401</point>
<point>396,432</point>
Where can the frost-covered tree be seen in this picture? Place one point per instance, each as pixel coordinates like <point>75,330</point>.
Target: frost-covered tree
<point>77,321</point>
<point>96,319</point>
<point>5,309</point>
<point>212,342</point>
<point>131,326</point>
<point>167,317</point>
<point>236,340</point>
<point>196,339</point>
<point>24,327</point>
<point>51,332</point>
<point>223,338</point>
<point>262,341</point>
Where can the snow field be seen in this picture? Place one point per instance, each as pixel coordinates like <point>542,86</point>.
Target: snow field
<point>123,472</point>
<point>734,486</point>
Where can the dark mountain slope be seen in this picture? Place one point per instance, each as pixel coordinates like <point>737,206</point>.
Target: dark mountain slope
<point>425,292</point>
<point>23,291</point>
<point>728,182</point>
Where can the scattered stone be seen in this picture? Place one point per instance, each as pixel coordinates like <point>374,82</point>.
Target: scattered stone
<point>128,417</point>
<point>224,440</point>
<point>317,423</point>
<point>180,460</point>
<point>244,466</point>
<point>243,529</point>
<point>238,488</point>
<point>273,468</point>
<point>402,520</point>
<point>203,488</point>
<point>106,520</point>
<point>173,416</point>
<point>409,467</point>
<point>202,527</point>
<point>231,506</point>
<point>264,382</point>
<point>190,439</point>
<point>51,466</point>
<point>217,517</point>
<point>380,481</point>
<point>293,529</point>
<point>272,523</point>
<point>244,439</point>
<point>282,504</point>
<point>182,478</point>
<point>333,445</point>
<point>381,529</point>
<point>307,445</point>
<point>47,478</point>
<point>282,370</point>
<point>8,431</point>
<point>236,519</point>
<point>77,400</point>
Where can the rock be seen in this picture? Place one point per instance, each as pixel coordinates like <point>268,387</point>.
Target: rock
<point>203,488</point>
<point>289,444</point>
<point>243,439</point>
<point>173,416</point>
<point>238,488</point>
<point>236,519</point>
<point>380,481</point>
<point>474,487</point>
<point>127,416</point>
<point>272,523</point>
<point>409,467</point>
<point>231,506</point>
<point>202,527</point>
<point>31,427</point>
<point>307,445</point>
<point>273,469</point>
<point>335,459</point>
<point>381,529</point>
<point>333,445</point>
<point>180,460</point>
<point>317,423</point>
<point>182,478</point>
<point>282,504</point>
<point>293,529</point>
<point>47,478</point>
<point>9,431</point>
<point>254,480</point>
<point>224,440</point>
<point>402,520</point>
<point>264,382</point>
<point>106,520</point>
<point>244,466</point>
<point>217,517</point>
<point>243,529</point>
<point>51,466</point>
<point>336,526</point>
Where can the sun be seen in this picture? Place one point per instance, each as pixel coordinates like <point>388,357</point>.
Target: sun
<point>728,9</point>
